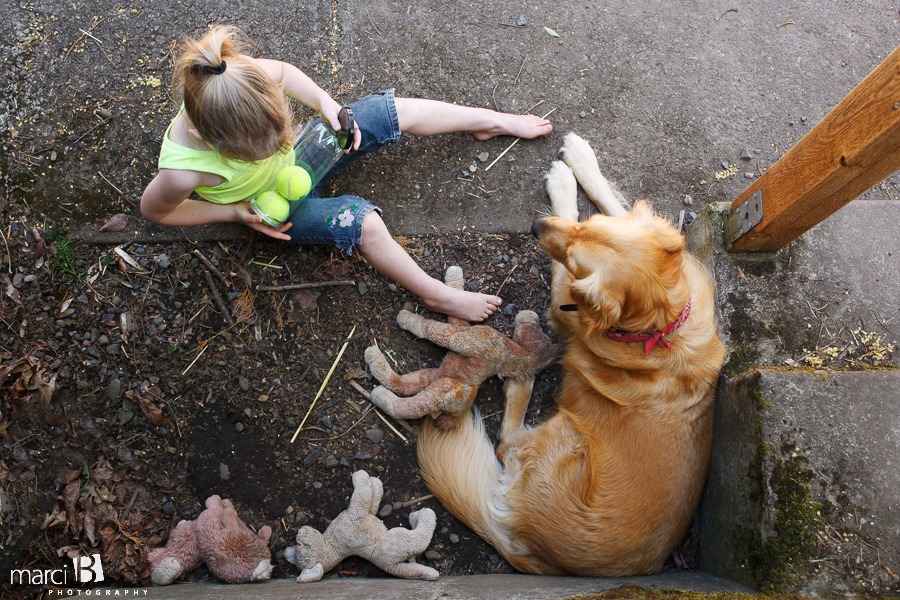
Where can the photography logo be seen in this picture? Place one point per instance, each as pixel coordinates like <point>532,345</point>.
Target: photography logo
<point>88,569</point>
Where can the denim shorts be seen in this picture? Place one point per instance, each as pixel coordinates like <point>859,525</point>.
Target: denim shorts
<point>338,221</point>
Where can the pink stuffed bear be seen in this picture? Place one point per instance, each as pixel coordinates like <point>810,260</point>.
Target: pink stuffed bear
<point>218,538</point>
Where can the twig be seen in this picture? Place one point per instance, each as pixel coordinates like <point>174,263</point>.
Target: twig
<point>303,286</point>
<point>725,13</point>
<point>218,299</point>
<point>115,188</point>
<point>532,106</point>
<point>516,80</point>
<point>8,257</point>
<point>516,266</point>
<point>373,24</point>
<point>368,397</point>
<point>127,258</point>
<point>516,141</point>
<point>392,428</point>
<point>211,267</point>
<point>103,122</point>
<point>680,221</point>
<point>90,36</point>
<point>130,503</point>
<point>262,264</point>
<point>196,359</point>
<point>324,383</point>
<point>371,407</point>
<point>791,22</point>
<point>416,500</point>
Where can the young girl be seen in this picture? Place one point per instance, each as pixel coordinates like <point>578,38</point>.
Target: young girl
<point>234,133</point>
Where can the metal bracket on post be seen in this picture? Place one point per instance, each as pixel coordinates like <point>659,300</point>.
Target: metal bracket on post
<point>742,219</point>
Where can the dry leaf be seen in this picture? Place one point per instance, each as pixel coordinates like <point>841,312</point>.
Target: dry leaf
<point>151,411</point>
<point>245,276</point>
<point>304,301</point>
<point>46,388</point>
<point>338,268</point>
<point>116,223</point>
<point>88,523</point>
<point>57,518</point>
<point>368,452</point>
<point>11,291</point>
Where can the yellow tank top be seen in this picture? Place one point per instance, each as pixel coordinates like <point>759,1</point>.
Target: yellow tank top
<point>243,180</point>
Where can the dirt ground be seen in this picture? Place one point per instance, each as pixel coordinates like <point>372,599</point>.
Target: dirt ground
<point>155,402</point>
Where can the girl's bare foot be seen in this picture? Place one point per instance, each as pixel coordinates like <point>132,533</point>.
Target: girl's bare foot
<point>523,126</point>
<point>470,306</point>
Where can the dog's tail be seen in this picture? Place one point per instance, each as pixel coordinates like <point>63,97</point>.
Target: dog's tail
<point>461,470</point>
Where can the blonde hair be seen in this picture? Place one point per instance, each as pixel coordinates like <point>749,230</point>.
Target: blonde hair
<point>240,110</point>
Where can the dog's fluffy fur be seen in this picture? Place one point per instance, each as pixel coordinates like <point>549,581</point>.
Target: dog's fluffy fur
<point>609,484</point>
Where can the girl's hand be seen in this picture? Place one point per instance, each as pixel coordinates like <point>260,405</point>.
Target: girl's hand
<point>330,114</point>
<point>244,214</point>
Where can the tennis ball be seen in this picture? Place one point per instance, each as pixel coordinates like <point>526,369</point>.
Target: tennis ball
<point>293,183</point>
<point>272,207</point>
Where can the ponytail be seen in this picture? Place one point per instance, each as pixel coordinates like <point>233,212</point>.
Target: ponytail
<point>234,105</point>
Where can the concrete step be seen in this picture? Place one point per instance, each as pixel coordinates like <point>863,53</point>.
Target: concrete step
<point>475,587</point>
<point>804,486</point>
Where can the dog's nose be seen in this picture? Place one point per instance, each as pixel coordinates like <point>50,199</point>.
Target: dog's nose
<point>537,227</point>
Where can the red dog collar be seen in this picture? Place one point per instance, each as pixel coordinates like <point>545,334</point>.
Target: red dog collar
<point>651,337</point>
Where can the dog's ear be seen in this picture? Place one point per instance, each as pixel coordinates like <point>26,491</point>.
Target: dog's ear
<point>599,306</point>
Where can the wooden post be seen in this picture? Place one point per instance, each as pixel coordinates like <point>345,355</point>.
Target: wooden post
<point>854,147</point>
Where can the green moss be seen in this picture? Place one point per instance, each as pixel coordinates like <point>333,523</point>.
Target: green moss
<point>742,359</point>
<point>636,592</point>
<point>777,561</point>
<point>798,517</point>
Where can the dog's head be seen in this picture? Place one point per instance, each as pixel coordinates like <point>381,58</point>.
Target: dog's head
<point>623,271</point>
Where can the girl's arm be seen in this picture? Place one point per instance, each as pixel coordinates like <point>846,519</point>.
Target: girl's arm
<point>299,86</point>
<point>165,202</point>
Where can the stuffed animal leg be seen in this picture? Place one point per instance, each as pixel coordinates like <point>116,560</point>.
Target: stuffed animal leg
<point>405,385</point>
<point>444,395</point>
<point>181,555</point>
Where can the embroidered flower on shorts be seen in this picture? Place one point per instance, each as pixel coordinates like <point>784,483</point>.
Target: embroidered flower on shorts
<point>346,218</point>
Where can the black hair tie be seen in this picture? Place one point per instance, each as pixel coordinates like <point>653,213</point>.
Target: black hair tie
<point>218,70</point>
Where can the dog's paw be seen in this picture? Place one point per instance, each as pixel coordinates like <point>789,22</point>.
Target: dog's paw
<point>579,155</point>
<point>563,191</point>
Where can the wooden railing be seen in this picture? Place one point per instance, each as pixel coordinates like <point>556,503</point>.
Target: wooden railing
<point>854,147</point>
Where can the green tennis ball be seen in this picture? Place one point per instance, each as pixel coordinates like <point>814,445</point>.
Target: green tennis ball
<point>272,207</point>
<point>293,183</point>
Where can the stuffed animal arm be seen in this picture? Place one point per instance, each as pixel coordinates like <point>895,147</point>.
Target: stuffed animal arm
<point>358,532</point>
<point>218,538</point>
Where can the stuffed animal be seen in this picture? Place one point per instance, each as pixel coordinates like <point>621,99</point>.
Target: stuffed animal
<point>476,353</point>
<point>218,538</point>
<point>358,532</point>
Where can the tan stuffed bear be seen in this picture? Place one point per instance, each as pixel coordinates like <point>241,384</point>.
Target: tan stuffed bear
<point>218,538</point>
<point>476,353</point>
<point>358,532</point>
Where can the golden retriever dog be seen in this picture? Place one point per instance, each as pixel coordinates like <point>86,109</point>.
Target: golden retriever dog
<point>609,484</point>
